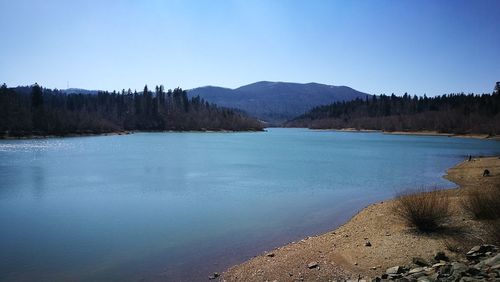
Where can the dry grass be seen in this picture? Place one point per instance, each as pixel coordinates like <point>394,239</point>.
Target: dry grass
<point>424,209</point>
<point>483,202</point>
<point>493,231</point>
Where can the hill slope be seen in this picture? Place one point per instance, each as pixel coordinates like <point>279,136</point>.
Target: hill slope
<point>276,102</point>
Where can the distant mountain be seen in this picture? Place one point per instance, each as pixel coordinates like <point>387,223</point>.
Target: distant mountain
<point>78,91</point>
<point>276,102</point>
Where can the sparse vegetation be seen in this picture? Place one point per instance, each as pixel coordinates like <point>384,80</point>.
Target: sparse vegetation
<point>493,231</point>
<point>425,209</point>
<point>483,202</point>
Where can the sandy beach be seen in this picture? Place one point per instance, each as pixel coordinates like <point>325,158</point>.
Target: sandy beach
<point>375,239</point>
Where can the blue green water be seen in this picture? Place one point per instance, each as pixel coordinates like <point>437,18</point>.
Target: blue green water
<point>178,206</point>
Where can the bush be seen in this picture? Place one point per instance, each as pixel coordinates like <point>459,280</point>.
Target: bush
<point>483,203</point>
<point>427,210</point>
<point>493,231</point>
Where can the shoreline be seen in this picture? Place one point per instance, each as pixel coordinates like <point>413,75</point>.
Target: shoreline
<point>344,253</point>
<point>417,133</point>
<point>127,132</point>
<point>36,137</point>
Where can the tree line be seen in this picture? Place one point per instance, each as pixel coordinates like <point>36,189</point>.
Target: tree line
<point>452,113</point>
<point>33,110</point>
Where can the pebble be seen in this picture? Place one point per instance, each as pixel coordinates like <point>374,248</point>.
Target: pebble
<point>312,265</point>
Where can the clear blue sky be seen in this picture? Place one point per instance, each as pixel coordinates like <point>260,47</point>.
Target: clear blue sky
<point>431,47</point>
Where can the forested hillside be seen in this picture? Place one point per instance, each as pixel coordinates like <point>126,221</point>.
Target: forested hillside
<point>453,113</point>
<point>26,111</point>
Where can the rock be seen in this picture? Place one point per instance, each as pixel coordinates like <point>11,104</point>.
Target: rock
<point>394,270</point>
<point>213,276</point>
<point>420,261</point>
<point>473,271</point>
<point>312,265</point>
<point>416,270</point>
<point>368,244</point>
<point>458,267</point>
<point>491,261</point>
<point>424,279</point>
<point>441,256</point>
<point>417,275</point>
<point>474,250</point>
<point>445,271</point>
<point>438,265</point>
<point>481,250</point>
<point>270,255</point>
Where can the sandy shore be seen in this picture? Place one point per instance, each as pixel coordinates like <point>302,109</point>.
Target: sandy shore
<point>420,133</point>
<point>344,254</point>
<point>435,133</point>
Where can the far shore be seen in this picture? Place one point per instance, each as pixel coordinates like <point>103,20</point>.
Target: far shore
<point>90,134</point>
<point>344,253</point>
<point>419,133</point>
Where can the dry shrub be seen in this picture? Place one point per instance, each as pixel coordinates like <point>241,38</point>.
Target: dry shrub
<point>425,209</point>
<point>483,202</point>
<point>493,231</point>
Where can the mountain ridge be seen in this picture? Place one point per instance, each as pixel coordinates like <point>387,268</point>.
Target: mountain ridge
<point>276,102</point>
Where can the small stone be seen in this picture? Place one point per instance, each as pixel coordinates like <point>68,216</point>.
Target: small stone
<point>270,255</point>
<point>420,261</point>
<point>312,265</point>
<point>416,270</point>
<point>368,244</point>
<point>473,271</point>
<point>441,256</point>
<point>445,271</point>
<point>439,264</point>
<point>213,276</point>
<point>373,268</point>
<point>394,270</point>
<point>474,250</point>
<point>423,279</point>
<point>458,268</point>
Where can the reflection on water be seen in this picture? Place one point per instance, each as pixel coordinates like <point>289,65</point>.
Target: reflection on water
<point>177,206</point>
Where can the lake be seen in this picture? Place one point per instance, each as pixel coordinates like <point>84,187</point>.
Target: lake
<point>180,206</point>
